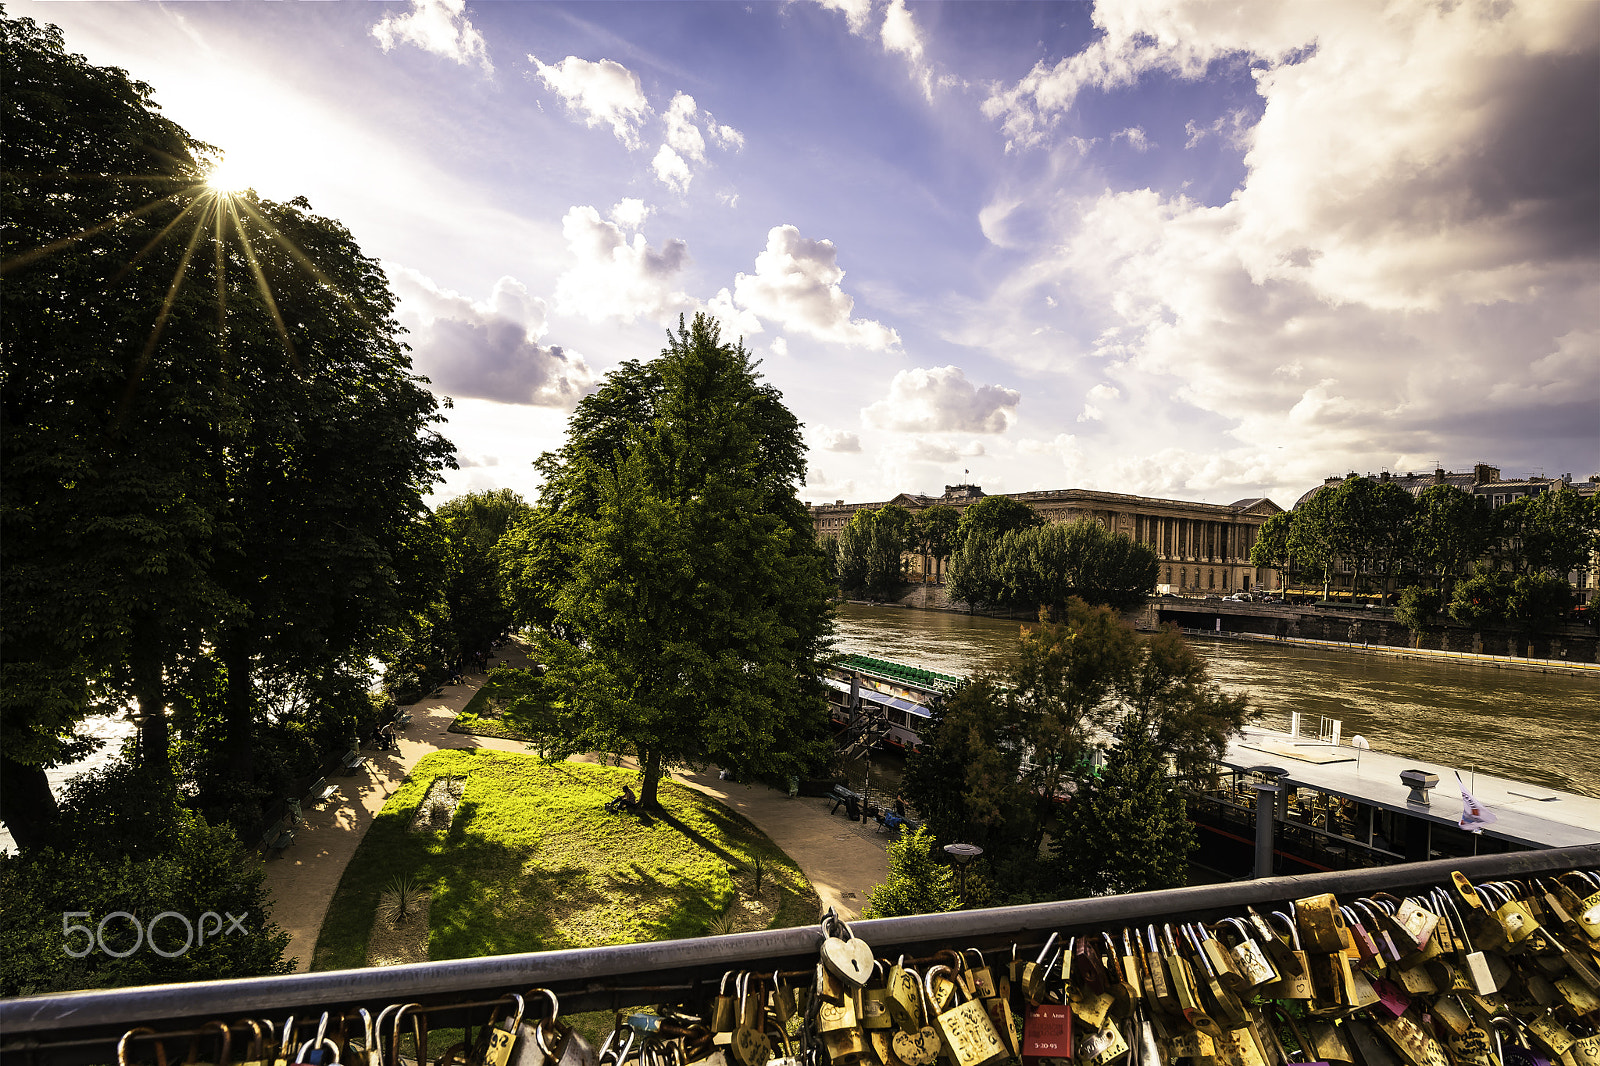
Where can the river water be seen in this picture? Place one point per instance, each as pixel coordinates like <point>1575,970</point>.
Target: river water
<point>1536,727</point>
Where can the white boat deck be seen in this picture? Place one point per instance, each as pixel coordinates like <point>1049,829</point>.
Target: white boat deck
<point>1527,814</point>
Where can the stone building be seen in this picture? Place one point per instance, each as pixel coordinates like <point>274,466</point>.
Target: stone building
<point>1202,548</point>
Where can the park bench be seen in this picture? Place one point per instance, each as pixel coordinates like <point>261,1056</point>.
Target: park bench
<point>278,837</point>
<point>320,792</point>
<point>401,720</point>
<point>354,761</point>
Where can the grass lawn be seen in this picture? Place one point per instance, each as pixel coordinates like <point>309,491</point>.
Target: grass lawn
<point>531,862</point>
<point>481,715</point>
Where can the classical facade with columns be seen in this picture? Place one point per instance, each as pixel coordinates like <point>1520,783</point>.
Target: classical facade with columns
<point>1201,547</point>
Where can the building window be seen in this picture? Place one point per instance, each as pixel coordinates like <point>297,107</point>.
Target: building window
<point>1169,575</point>
<point>1183,578</point>
<point>1211,579</point>
<point>1224,581</point>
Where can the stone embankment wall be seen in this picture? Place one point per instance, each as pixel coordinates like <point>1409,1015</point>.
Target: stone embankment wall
<point>1579,644</point>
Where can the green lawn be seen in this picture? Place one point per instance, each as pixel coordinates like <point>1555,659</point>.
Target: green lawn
<point>480,716</point>
<point>532,862</point>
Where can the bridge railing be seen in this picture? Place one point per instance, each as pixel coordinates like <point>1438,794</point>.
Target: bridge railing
<point>84,1027</point>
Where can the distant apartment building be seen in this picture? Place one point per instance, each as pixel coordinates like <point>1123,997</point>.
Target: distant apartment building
<point>1487,482</point>
<point>1201,547</point>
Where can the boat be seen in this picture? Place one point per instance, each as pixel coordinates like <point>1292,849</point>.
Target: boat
<point>897,697</point>
<point>1339,805</point>
<point>1344,806</point>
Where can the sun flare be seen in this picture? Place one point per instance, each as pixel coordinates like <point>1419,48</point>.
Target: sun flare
<point>227,178</point>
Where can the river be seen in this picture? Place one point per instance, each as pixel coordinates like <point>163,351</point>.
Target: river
<point>1536,727</point>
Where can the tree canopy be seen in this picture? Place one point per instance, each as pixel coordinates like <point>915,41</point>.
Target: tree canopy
<point>871,550</point>
<point>1048,565</point>
<point>693,621</point>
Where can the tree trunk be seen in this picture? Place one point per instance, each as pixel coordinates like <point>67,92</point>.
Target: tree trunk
<point>149,688</point>
<point>238,707</point>
<point>27,805</point>
<point>650,771</point>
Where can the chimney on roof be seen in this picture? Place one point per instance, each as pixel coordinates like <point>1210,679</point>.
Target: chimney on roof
<point>1438,475</point>
<point>838,503</point>
<point>1384,476</point>
<point>1483,473</point>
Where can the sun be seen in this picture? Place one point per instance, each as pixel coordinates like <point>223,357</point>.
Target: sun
<point>226,178</point>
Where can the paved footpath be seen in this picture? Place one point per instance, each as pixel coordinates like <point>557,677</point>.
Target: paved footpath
<point>843,860</point>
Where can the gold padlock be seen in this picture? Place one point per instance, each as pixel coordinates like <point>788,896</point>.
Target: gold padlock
<point>965,1029</point>
<point>1295,973</point>
<point>1322,926</point>
<point>1250,960</point>
<point>1101,1046</point>
<point>905,998</point>
<point>874,1001</point>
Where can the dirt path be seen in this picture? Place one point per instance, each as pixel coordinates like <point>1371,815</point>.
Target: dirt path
<point>844,860</point>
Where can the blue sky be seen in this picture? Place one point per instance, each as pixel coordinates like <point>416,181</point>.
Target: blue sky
<point>1197,250</point>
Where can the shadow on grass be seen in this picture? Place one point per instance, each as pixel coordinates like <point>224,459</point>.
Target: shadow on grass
<point>689,918</point>
<point>693,835</point>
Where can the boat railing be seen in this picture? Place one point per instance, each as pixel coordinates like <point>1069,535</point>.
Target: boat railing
<point>83,1027</point>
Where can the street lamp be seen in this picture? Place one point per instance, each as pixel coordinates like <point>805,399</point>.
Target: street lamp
<point>962,855</point>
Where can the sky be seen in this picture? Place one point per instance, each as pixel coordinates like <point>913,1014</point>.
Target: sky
<point>1192,250</point>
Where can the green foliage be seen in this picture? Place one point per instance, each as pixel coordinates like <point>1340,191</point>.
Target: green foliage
<point>919,882</point>
<point>505,687</point>
<point>1004,751</point>
<point>871,550</point>
<point>532,862</point>
<point>1048,565</point>
<point>1126,830</point>
<point>934,531</point>
<point>1524,601</point>
<point>994,516</point>
<point>1271,548</point>
<point>401,899</point>
<point>1418,607</point>
<point>127,845</point>
<point>1551,533</point>
<point>1451,530</point>
<point>199,478</point>
<point>691,623</point>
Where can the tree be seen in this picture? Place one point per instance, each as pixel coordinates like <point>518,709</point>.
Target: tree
<point>476,590</point>
<point>1383,513</point>
<point>1450,531</point>
<point>1128,830</point>
<point>995,516</point>
<point>1418,608</point>
<point>872,547</point>
<point>693,624</point>
<point>1550,533</point>
<point>1271,549</point>
<point>936,532</point>
<point>919,883</point>
<point>965,776</point>
<point>1048,565</point>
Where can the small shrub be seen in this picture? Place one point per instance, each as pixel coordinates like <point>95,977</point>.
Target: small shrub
<point>722,924</point>
<point>401,899</point>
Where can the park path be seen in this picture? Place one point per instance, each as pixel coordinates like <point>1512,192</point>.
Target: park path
<point>843,860</point>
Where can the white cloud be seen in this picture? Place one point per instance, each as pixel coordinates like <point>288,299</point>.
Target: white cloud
<point>724,136</point>
<point>734,320</point>
<point>900,31</point>
<point>780,347</point>
<point>437,26</point>
<point>618,278</point>
<point>856,13</point>
<point>1408,268</point>
<point>486,349</point>
<point>1100,394</point>
<point>1136,138</point>
<point>682,134</point>
<point>671,170</point>
<point>605,92</point>
<point>942,400</point>
<point>796,284</point>
<point>834,440</point>
<point>630,213</point>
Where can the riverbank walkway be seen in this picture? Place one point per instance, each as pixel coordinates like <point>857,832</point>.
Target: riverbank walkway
<point>1504,662</point>
<point>843,860</point>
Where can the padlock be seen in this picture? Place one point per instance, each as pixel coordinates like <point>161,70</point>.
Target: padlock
<point>1133,969</point>
<point>557,1043</point>
<point>257,1054</point>
<point>1474,1047</point>
<point>1221,959</point>
<point>1410,1040</point>
<point>922,1046</point>
<point>319,1050</point>
<point>829,986</point>
<point>1381,925</point>
<point>874,1001</point>
<point>1449,1010</point>
<point>1417,920</point>
<point>1328,1041</point>
<point>1515,916</point>
<point>724,1008</point>
<point>1517,1052</point>
<point>498,1037</point>
<point>1586,1052</point>
<point>1035,974</point>
<point>1322,926</point>
<point>122,1046</point>
<point>1551,1033</point>
<point>1363,949</point>
<point>1279,948</point>
<point>750,1044</point>
<point>1194,1047</point>
<point>905,998</point>
<point>983,985</point>
<point>1577,995</point>
<point>1221,1004</point>
<point>847,957</point>
<point>1155,972</point>
<point>1147,1046</point>
<point>1101,1046</point>
<point>1295,971</point>
<point>1250,959</point>
<point>965,1029</point>
<point>1184,987</point>
<point>1475,964</point>
<point>1047,1032</point>
<point>944,986</point>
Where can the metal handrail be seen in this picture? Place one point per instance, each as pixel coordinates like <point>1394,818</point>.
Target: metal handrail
<point>82,1027</point>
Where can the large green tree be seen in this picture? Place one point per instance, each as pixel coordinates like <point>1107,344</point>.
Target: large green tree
<point>872,548</point>
<point>935,532</point>
<point>995,516</point>
<point>1450,531</point>
<point>1551,533</point>
<point>693,624</point>
<point>1048,565</point>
